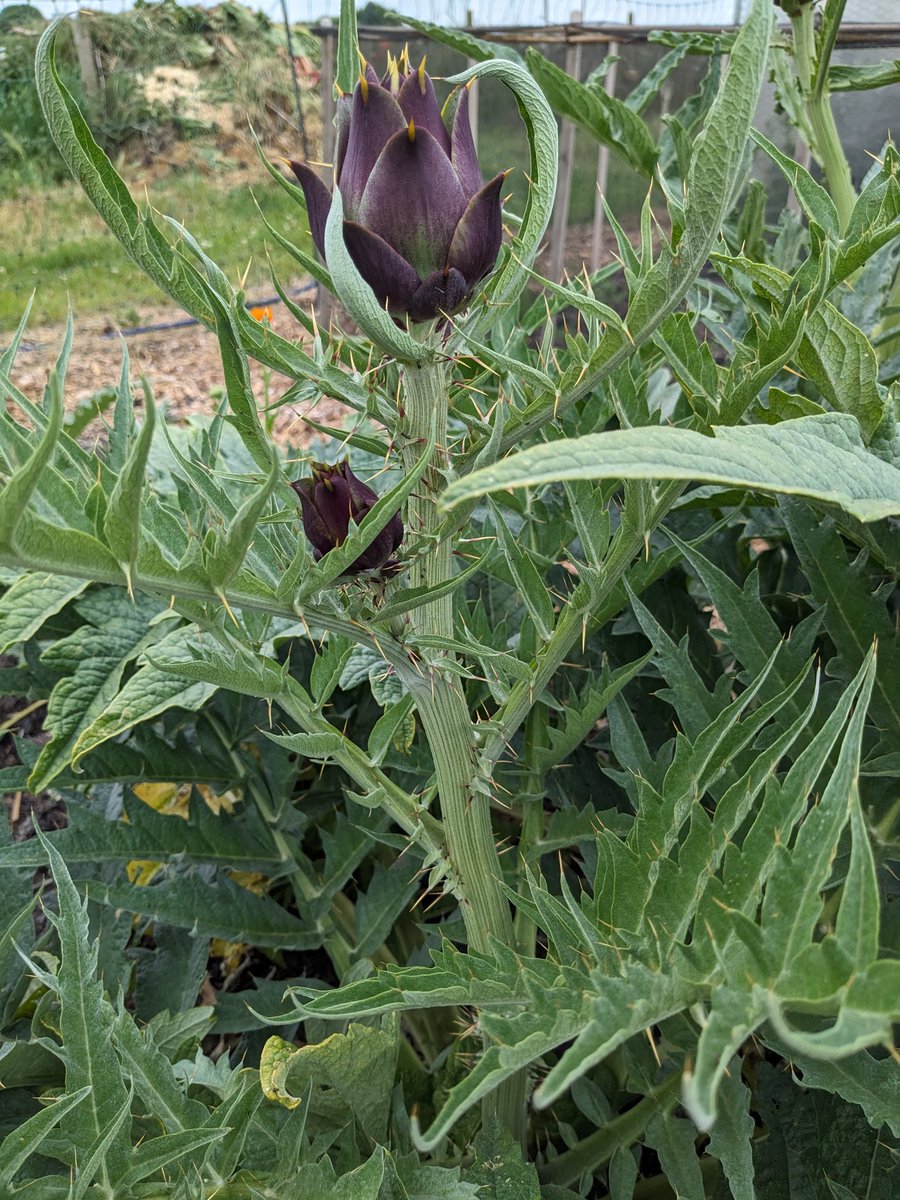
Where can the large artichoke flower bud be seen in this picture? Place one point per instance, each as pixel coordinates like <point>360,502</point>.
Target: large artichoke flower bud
<point>420,224</point>
<point>330,498</point>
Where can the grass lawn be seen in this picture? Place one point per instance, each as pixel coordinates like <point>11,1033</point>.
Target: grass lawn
<point>54,243</point>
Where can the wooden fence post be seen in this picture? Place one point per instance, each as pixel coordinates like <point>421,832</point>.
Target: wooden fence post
<point>473,92</point>
<point>597,229</point>
<point>560,221</point>
<point>87,62</point>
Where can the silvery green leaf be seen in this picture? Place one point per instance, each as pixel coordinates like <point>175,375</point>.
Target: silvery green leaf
<point>540,125</point>
<point>822,458</point>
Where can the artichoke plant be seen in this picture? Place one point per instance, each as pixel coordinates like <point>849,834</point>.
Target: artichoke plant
<point>421,225</point>
<point>330,498</point>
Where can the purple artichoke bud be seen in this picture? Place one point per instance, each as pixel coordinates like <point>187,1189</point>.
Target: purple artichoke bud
<point>330,499</point>
<point>421,225</point>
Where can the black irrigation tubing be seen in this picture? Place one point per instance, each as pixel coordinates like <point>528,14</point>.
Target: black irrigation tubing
<point>138,330</point>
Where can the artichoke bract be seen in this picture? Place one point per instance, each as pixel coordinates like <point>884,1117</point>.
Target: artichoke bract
<point>421,225</point>
<point>330,499</point>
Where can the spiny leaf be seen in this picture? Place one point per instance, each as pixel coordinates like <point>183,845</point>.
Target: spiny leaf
<point>122,526</point>
<point>150,836</point>
<point>18,491</point>
<point>86,1020</point>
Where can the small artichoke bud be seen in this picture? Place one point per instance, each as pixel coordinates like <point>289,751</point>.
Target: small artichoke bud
<point>331,497</point>
<point>420,223</point>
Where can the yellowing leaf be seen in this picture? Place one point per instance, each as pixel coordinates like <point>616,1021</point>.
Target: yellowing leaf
<point>173,799</point>
<point>141,871</point>
<point>218,803</point>
<point>274,1065</point>
<point>231,953</point>
<point>253,881</point>
<point>170,799</point>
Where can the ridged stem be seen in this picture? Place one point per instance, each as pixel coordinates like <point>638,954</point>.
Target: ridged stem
<point>444,713</point>
<point>826,143</point>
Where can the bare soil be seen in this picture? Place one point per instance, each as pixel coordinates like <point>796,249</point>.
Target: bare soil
<point>182,366</point>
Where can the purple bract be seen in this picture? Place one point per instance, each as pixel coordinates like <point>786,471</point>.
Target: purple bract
<point>420,224</point>
<point>330,498</point>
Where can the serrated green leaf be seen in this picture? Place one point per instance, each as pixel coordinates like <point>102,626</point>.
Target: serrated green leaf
<point>30,601</point>
<point>814,199</point>
<point>151,1073</point>
<point>607,119</point>
<point>691,361</point>
<point>19,488</point>
<point>715,171</point>
<point>853,614</point>
<point>328,666</point>
<point>583,711</point>
<point>122,525</point>
<point>116,630</point>
<point>386,897</point>
<point>96,1162</point>
<point>149,692</point>
<point>730,1139</point>
<point>218,662</point>
<point>18,1146</point>
<point>221,909</point>
<point>359,1064</point>
<point>406,599</point>
<point>858,921</point>
<point>387,728</point>
<point>499,1169</point>
<point>834,350</point>
<point>673,1140</point>
<point>792,901</point>
<point>310,745</point>
<point>158,1153</point>
<point>872,1083</point>
<point>226,558</point>
<point>86,1020</point>
<point>530,585</point>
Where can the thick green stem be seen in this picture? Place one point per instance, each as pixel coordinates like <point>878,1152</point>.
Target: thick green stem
<point>424,406</point>
<point>442,707</point>
<point>825,141</point>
